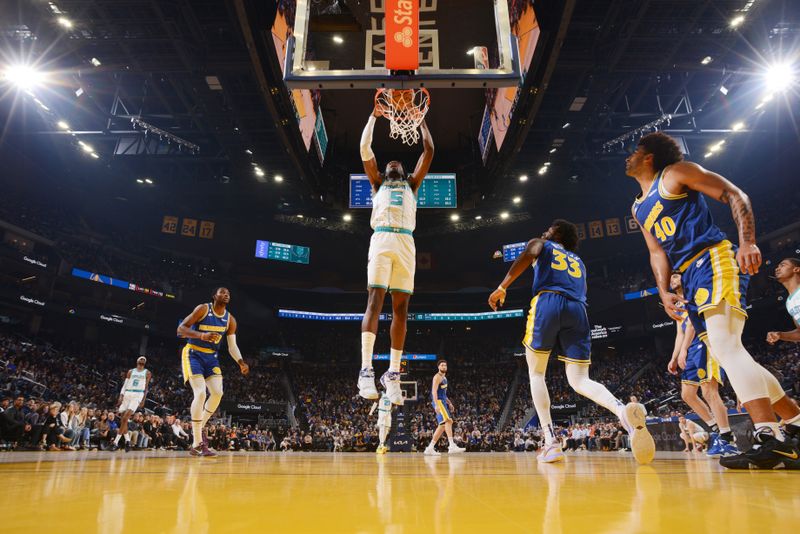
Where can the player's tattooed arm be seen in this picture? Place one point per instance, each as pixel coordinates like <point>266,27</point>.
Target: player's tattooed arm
<point>519,266</point>
<point>742,211</point>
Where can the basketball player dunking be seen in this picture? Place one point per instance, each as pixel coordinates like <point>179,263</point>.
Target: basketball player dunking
<point>444,409</point>
<point>131,398</point>
<point>392,256</point>
<point>701,372</point>
<point>680,233</point>
<point>558,323</point>
<point>203,331</point>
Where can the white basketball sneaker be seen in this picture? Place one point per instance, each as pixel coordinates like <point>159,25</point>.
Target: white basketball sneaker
<point>551,454</point>
<point>633,418</point>
<point>391,381</point>
<point>455,449</point>
<point>366,384</point>
<point>430,451</point>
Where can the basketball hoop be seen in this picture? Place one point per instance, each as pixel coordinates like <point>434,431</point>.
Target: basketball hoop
<point>405,109</point>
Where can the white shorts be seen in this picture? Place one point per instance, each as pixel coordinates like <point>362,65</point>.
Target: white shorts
<point>385,419</point>
<point>392,262</point>
<point>700,437</point>
<point>130,401</point>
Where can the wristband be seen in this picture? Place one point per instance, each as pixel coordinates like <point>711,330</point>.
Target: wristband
<point>501,288</point>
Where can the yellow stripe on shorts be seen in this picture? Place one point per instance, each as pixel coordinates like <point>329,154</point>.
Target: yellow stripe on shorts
<point>528,339</point>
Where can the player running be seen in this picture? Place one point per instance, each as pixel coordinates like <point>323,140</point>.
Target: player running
<point>384,424</point>
<point>392,256</point>
<point>444,409</point>
<point>701,371</point>
<point>680,233</point>
<point>788,273</point>
<point>131,398</point>
<point>558,323</point>
<point>203,331</point>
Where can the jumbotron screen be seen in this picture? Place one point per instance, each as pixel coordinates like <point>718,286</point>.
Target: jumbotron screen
<point>270,250</point>
<point>511,252</point>
<point>436,191</point>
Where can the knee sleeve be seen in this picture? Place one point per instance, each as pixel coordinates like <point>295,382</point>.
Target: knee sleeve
<point>725,339</point>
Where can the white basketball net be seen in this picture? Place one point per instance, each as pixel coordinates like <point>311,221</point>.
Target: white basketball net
<point>405,109</point>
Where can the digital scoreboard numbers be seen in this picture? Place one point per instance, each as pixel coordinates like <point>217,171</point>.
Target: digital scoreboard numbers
<point>436,191</point>
<point>512,252</point>
<point>270,250</point>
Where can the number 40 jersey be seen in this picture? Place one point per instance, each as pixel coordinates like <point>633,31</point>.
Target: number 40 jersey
<point>560,271</point>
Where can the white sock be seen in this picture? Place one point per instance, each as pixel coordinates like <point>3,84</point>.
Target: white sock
<point>394,360</point>
<point>724,429</point>
<point>128,436</point>
<point>116,439</point>
<point>197,433</point>
<point>541,401</point>
<point>774,428</point>
<point>711,422</point>
<point>793,421</point>
<point>367,345</point>
<point>578,378</point>
<point>452,443</point>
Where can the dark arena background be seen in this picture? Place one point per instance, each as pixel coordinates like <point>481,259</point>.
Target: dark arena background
<point>153,151</point>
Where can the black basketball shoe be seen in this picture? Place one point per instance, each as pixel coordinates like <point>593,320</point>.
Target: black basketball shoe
<point>767,453</point>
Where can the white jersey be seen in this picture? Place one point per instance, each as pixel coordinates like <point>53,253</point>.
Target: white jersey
<point>394,206</point>
<point>384,404</point>
<point>137,381</point>
<point>793,306</point>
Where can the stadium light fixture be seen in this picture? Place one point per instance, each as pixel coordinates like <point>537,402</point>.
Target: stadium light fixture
<point>737,21</point>
<point>546,163</point>
<point>337,39</point>
<point>566,125</point>
<point>64,21</point>
<point>249,152</point>
<point>716,147</point>
<point>454,217</point>
<point>706,60</point>
<point>737,126</point>
<point>148,181</point>
<point>516,200</point>
<point>86,148</point>
<point>23,76</point>
<point>94,155</point>
<point>523,178</point>
<point>478,217</point>
<point>259,172</point>
<point>139,181</point>
<point>504,215</point>
<point>63,125</point>
<point>278,178</point>
<point>553,150</point>
<point>299,215</point>
<point>347,217</point>
<point>542,171</point>
<point>95,62</point>
<point>709,154</point>
<point>779,77</point>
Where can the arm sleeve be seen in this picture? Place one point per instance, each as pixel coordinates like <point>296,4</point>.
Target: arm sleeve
<point>124,386</point>
<point>366,140</point>
<point>233,348</point>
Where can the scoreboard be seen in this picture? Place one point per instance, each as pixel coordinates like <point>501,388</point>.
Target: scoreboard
<point>512,252</point>
<point>270,250</point>
<point>436,191</point>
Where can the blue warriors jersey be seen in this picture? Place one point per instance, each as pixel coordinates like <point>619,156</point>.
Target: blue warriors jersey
<point>561,271</point>
<point>682,224</point>
<point>212,322</point>
<point>441,391</point>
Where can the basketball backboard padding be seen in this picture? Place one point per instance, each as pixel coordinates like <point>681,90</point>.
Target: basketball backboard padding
<point>301,74</point>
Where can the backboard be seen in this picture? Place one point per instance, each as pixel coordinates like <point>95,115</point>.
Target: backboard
<point>352,44</point>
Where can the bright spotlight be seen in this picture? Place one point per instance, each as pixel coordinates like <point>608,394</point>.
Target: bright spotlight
<point>517,200</point>
<point>717,147</point>
<point>64,21</point>
<point>737,21</point>
<point>94,155</point>
<point>478,217</point>
<point>779,77</point>
<point>63,125</point>
<point>454,217</point>
<point>259,172</point>
<point>738,126</point>
<point>23,76</point>
<point>709,154</point>
<point>504,215</point>
<point>337,39</point>
<point>706,60</point>
<point>523,178</point>
<point>148,181</point>
<point>347,217</point>
<point>542,170</point>
<point>87,148</point>
<point>278,178</point>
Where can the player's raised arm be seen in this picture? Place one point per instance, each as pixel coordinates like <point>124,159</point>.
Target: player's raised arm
<point>425,160</point>
<point>524,261</point>
<point>367,155</point>
<point>711,184</point>
<point>662,271</point>
<point>233,348</point>
<point>185,328</point>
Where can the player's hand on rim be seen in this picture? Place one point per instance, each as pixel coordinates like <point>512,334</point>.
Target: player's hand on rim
<point>749,258</point>
<point>670,302</point>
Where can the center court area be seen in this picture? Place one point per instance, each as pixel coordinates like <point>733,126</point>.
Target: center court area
<point>321,492</point>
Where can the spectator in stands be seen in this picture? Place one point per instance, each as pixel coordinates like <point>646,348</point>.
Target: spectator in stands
<point>12,423</point>
<point>57,435</point>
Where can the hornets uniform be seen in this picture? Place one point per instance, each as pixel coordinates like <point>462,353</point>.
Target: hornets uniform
<point>134,392</point>
<point>392,253</point>
<point>683,226</point>
<point>440,403</point>
<point>793,306</point>
<point>557,320</point>
<point>200,357</point>
<point>384,411</point>
<point>700,368</point>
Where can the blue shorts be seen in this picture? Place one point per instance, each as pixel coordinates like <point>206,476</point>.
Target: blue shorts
<point>442,413</point>
<point>710,278</point>
<point>700,368</point>
<point>557,323</point>
<point>196,363</point>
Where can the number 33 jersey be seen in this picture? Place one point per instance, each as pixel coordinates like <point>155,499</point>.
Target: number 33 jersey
<point>561,271</point>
